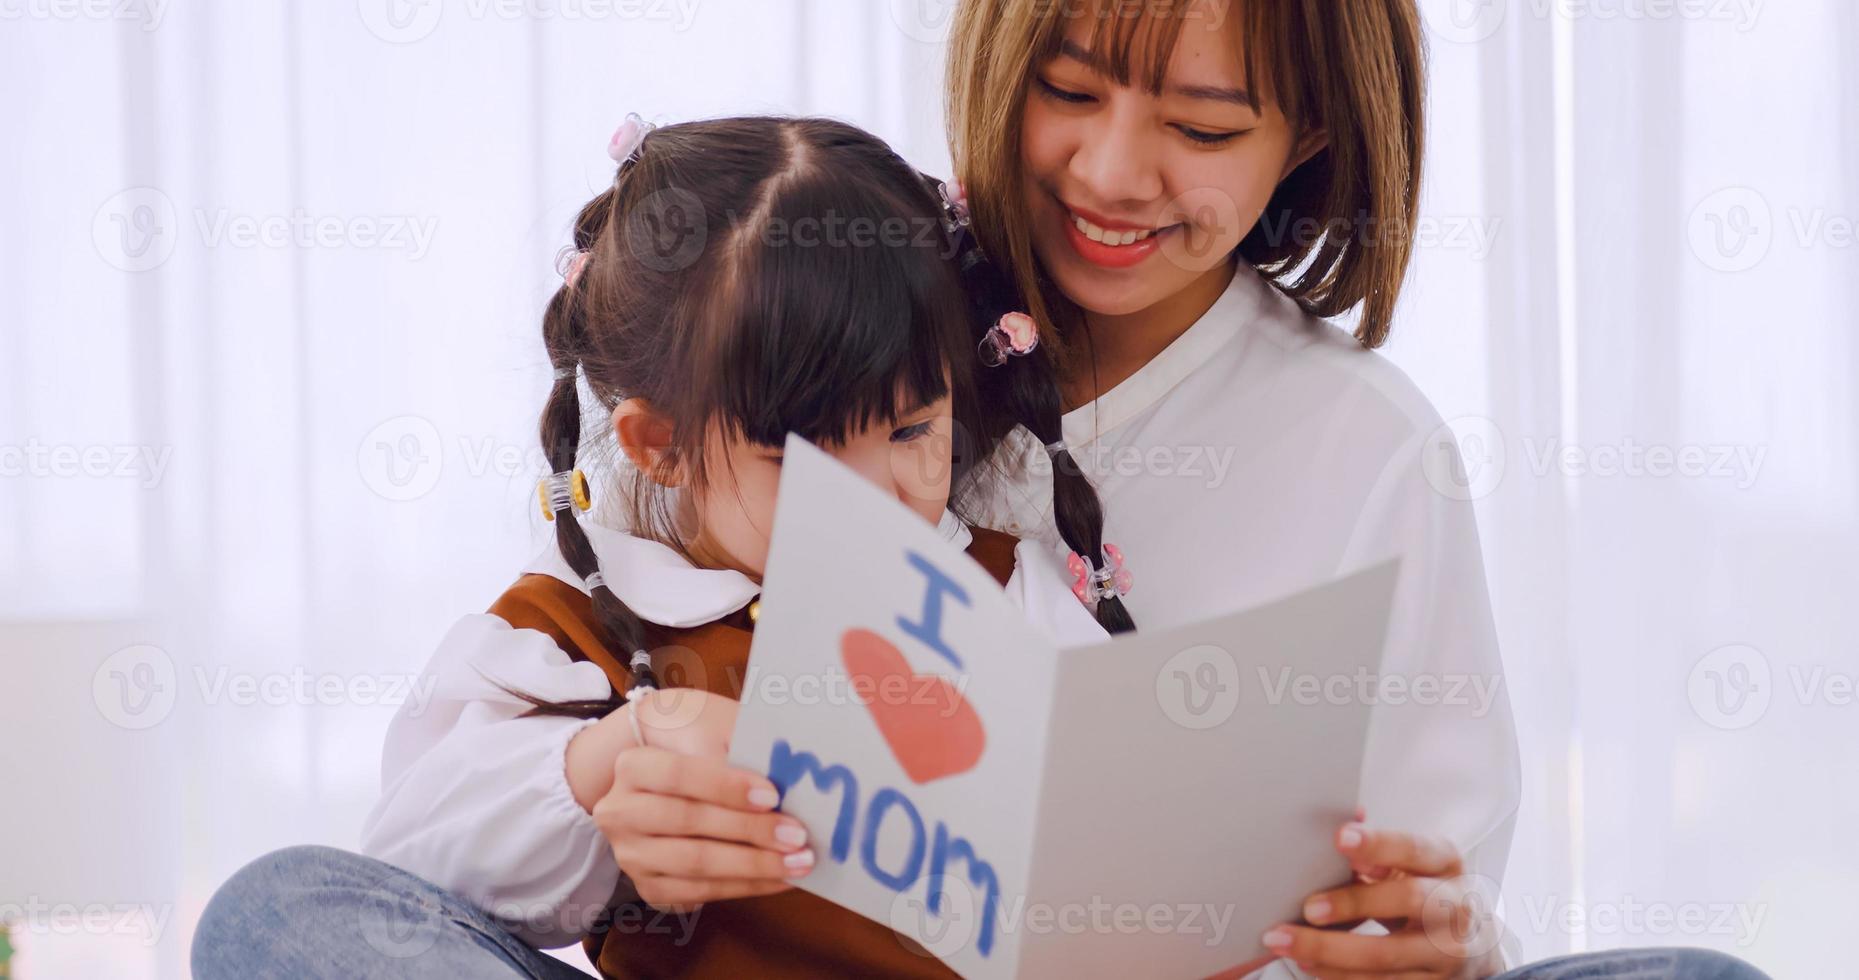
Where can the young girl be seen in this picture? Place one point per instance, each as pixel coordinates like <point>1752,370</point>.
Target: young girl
<point>1183,190</point>
<point>742,279</point>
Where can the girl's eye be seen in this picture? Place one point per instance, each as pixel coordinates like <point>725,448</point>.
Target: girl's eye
<point>911,433</point>
<point>1205,138</point>
<point>1065,95</point>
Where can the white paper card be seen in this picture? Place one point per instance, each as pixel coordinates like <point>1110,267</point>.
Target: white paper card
<point>1145,806</point>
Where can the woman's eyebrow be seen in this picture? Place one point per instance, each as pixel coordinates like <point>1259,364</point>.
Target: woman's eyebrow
<point>1237,96</point>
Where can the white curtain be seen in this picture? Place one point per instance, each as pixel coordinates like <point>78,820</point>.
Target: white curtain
<point>1643,332</point>
<point>280,268</point>
<point>270,285</point>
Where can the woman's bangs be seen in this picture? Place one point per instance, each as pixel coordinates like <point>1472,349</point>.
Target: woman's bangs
<point>1132,41</point>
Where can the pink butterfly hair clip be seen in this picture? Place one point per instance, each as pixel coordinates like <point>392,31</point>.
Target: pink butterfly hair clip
<point>1014,335</point>
<point>1092,585</point>
<point>629,138</point>
<point>571,264</point>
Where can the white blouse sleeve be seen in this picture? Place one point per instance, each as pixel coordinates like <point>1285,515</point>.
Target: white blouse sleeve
<point>1442,748</point>
<point>1038,586</point>
<point>476,800</point>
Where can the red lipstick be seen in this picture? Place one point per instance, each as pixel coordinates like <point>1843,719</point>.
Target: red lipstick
<point>1104,255</point>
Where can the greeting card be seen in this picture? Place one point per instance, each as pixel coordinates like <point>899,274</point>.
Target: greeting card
<point>1143,806</point>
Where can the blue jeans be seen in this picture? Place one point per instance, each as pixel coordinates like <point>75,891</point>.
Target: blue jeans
<point>320,912</point>
<point>1639,964</point>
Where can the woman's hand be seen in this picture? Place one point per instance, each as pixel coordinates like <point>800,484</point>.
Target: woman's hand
<point>1415,886</point>
<point>687,827</point>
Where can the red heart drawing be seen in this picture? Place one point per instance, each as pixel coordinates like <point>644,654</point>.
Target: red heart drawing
<point>931,729</point>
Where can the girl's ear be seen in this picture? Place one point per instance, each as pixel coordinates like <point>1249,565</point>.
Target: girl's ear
<point>645,437</point>
<point>1308,145</point>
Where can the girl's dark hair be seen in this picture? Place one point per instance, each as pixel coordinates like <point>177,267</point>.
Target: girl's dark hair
<point>755,276</point>
<point>734,277</point>
<point>1025,392</point>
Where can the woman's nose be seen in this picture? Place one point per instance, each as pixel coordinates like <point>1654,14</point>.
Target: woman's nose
<point>1118,160</point>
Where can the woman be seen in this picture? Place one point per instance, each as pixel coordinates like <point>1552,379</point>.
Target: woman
<point>1183,192</point>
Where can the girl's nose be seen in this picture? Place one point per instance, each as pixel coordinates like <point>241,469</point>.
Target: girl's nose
<point>1118,159</point>
<point>874,467</point>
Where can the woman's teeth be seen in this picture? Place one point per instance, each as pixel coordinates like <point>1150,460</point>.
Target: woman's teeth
<point>1096,234</point>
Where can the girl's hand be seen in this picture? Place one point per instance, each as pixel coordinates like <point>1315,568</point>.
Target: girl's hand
<point>1416,887</point>
<point>687,827</point>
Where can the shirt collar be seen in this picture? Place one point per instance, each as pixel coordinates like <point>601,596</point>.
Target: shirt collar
<point>1222,321</point>
<point>663,587</point>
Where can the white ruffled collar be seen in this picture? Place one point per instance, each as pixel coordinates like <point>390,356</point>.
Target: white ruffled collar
<point>663,587</point>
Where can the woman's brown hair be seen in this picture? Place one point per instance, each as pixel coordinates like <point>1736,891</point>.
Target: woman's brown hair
<point>1336,233</point>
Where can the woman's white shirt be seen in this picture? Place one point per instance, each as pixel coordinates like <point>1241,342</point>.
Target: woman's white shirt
<point>476,800</point>
<point>1264,452</point>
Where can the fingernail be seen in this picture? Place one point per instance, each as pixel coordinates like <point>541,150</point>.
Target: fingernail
<point>1351,837</point>
<point>764,797</point>
<point>1317,910</point>
<point>1276,938</point>
<point>792,834</point>
<point>799,861</point>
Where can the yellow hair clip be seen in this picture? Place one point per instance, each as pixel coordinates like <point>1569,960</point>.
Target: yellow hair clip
<point>559,491</point>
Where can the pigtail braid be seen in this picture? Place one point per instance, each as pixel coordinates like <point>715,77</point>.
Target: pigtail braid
<point>1028,388</point>
<point>1076,509</point>
<point>564,335</point>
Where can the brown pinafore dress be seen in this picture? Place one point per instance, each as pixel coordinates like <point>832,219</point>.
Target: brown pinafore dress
<point>793,934</point>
